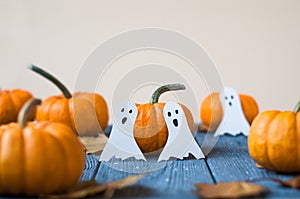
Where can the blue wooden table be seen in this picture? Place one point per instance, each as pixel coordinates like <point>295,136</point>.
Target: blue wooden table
<point>228,160</point>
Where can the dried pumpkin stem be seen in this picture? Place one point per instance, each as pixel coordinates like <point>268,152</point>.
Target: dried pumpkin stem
<point>169,87</point>
<point>26,110</point>
<point>297,107</point>
<point>53,79</point>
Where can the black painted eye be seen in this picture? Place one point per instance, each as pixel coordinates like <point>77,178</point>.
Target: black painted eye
<point>226,98</point>
<point>176,111</point>
<point>169,114</point>
<point>231,96</point>
<point>122,110</point>
<point>130,111</point>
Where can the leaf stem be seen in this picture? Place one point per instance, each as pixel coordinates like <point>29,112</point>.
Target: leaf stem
<point>26,110</point>
<point>169,87</point>
<point>297,107</point>
<point>53,79</point>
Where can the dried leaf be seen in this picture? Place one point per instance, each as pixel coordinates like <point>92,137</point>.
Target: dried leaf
<point>120,184</point>
<point>292,183</point>
<point>90,188</point>
<point>202,128</point>
<point>94,144</point>
<point>229,190</point>
<point>259,166</point>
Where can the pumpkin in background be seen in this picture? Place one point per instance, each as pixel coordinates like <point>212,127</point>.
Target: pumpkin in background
<point>150,130</point>
<point>38,157</point>
<point>274,140</point>
<point>11,103</point>
<point>211,111</point>
<point>86,113</point>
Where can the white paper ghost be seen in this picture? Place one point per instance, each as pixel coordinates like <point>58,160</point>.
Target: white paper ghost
<point>180,141</point>
<point>121,143</point>
<point>233,121</point>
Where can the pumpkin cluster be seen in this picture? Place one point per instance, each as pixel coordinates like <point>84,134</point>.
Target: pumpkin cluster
<point>49,148</point>
<point>34,151</point>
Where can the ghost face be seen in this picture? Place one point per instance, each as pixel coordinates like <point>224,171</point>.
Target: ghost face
<point>126,115</point>
<point>230,98</point>
<point>173,115</point>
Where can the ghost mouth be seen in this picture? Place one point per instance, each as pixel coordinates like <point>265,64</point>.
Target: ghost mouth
<point>124,120</point>
<point>175,122</point>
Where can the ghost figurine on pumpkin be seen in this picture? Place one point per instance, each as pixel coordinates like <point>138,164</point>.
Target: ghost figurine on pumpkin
<point>180,141</point>
<point>233,121</point>
<point>121,143</point>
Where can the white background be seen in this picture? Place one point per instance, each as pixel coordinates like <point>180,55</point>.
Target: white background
<point>255,44</point>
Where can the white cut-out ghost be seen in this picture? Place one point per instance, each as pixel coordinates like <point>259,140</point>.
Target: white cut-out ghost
<point>180,141</point>
<point>121,142</point>
<point>233,121</point>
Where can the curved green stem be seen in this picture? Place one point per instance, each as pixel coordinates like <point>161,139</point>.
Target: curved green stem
<point>53,79</point>
<point>26,110</point>
<point>297,107</point>
<point>169,87</point>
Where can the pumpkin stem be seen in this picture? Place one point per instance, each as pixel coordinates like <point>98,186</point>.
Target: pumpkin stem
<point>169,87</point>
<point>297,107</point>
<point>53,79</point>
<point>26,110</point>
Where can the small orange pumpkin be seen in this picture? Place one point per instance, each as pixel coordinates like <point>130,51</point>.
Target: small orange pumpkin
<point>86,113</point>
<point>211,111</point>
<point>150,130</point>
<point>38,157</point>
<point>274,140</point>
<point>11,103</point>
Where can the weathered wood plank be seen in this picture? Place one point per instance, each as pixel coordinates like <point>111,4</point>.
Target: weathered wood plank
<point>229,160</point>
<point>90,168</point>
<point>176,179</point>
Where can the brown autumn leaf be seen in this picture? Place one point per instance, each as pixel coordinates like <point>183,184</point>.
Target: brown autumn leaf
<point>292,183</point>
<point>233,189</point>
<point>90,188</point>
<point>259,166</point>
<point>94,144</point>
<point>202,128</point>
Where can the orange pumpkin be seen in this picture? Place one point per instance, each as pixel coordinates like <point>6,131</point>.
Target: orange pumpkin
<point>38,157</point>
<point>86,113</point>
<point>150,130</point>
<point>11,103</point>
<point>211,111</point>
<point>274,140</point>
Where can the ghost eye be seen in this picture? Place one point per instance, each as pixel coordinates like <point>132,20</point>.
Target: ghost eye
<point>231,96</point>
<point>226,98</point>
<point>130,111</point>
<point>176,111</point>
<point>122,110</point>
<point>169,114</point>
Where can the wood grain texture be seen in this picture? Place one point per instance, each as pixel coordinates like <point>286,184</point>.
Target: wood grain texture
<point>176,178</point>
<point>90,168</point>
<point>229,160</point>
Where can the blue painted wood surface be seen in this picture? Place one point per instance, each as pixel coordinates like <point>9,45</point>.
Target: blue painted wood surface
<point>227,159</point>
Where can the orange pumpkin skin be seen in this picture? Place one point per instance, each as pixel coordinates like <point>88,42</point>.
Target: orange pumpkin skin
<point>274,139</point>
<point>85,113</point>
<point>150,130</point>
<point>10,104</point>
<point>41,158</point>
<point>211,111</point>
